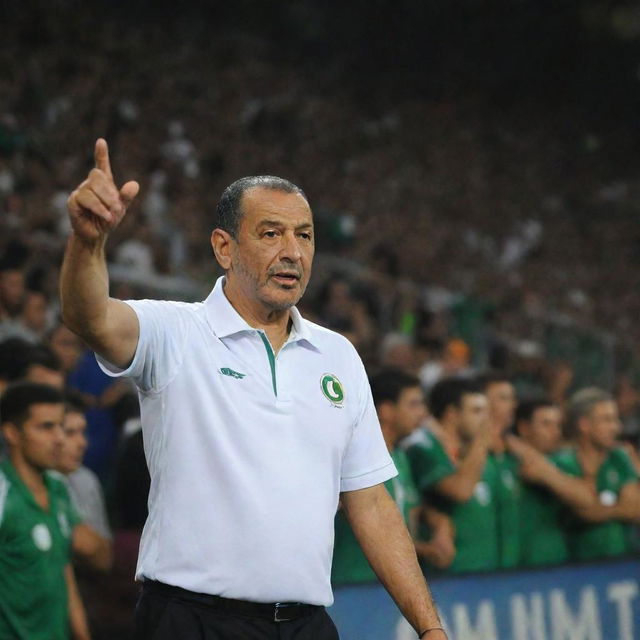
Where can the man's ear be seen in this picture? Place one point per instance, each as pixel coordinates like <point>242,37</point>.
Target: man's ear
<point>10,433</point>
<point>386,411</point>
<point>221,243</point>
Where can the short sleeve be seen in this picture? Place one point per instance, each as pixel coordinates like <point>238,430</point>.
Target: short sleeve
<point>367,461</point>
<point>428,460</point>
<point>163,330</point>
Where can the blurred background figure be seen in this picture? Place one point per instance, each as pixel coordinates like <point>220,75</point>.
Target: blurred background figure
<point>502,403</point>
<point>400,406</point>
<point>38,590</point>
<point>594,426</point>
<point>546,492</point>
<point>93,541</point>
<point>450,470</point>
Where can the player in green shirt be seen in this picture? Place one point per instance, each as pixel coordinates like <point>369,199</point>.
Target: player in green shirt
<point>400,406</point>
<point>603,529</point>
<point>39,599</point>
<point>544,499</point>
<point>507,489</point>
<point>451,472</point>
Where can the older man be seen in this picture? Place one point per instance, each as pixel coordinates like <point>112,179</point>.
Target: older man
<point>256,422</point>
<point>603,528</point>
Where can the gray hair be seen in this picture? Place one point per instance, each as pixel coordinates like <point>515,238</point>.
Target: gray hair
<point>581,404</point>
<point>229,209</point>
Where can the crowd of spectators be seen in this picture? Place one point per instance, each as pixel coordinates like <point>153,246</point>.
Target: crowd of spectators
<point>450,237</point>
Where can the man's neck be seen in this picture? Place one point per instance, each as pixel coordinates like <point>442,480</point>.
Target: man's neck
<point>32,477</point>
<point>275,323</point>
<point>590,458</point>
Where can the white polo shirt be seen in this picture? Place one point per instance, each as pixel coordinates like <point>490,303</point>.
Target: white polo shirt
<point>248,451</point>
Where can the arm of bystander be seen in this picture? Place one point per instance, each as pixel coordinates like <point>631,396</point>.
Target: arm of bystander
<point>77,616</point>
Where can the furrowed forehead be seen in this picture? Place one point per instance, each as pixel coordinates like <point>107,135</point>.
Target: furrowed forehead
<point>262,203</point>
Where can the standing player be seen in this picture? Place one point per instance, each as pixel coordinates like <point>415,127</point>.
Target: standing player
<point>400,405</point>
<point>452,474</point>
<point>256,422</point>
<point>546,491</point>
<point>39,598</point>
<point>603,529</point>
<point>502,399</point>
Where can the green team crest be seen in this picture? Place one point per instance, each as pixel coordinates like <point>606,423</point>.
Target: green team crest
<point>225,371</point>
<point>332,389</point>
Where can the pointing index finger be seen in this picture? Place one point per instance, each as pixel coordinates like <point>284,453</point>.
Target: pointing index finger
<point>101,155</point>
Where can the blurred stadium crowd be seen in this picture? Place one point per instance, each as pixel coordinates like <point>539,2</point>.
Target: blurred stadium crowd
<point>453,236</point>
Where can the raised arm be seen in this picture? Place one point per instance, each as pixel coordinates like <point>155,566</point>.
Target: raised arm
<point>459,485</point>
<point>383,536</point>
<point>96,207</point>
<point>536,468</point>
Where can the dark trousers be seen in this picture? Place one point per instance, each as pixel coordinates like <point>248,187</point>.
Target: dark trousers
<point>167,616</point>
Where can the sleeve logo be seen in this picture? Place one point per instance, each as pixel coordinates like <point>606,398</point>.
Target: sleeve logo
<point>332,389</point>
<point>225,371</point>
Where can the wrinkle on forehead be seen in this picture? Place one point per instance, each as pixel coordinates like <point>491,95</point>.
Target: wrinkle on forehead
<point>261,203</point>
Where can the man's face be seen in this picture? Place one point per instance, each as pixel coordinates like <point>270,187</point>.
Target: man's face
<point>473,414</point>
<point>409,411</point>
<point>502,404</point>
<point>67,346</point>
<point>74,442</point>
<point>544,430</point>
<point>602,425</point>
<point>39,440</point>
<point>272,255</point>
<point>12,290</point>
<point>34,312</point>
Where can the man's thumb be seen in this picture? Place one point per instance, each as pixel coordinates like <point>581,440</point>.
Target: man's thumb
<point>128,192</point>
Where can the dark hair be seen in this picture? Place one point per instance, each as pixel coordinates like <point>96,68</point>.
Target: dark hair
<point>43,356</point>
<point>449,392</point>
<point>17,399</point>
<point>14,353</point>
<point>387,385</point>
<point>229,208</point>
<point>486,379</point>
<point>74,402</point>
<point>526,408</point>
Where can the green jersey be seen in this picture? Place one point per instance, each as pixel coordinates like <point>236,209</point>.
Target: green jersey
<point>349,562</point>
<point>34,549</point>
<point>543,537</point>
<point>507,490</point>
<point>589,541</point>
<point>475,521</point>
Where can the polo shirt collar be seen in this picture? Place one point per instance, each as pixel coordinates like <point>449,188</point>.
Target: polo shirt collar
<point>226,321</point>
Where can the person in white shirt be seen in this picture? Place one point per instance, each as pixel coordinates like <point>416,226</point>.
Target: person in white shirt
<point>92,541</point>
<point>256,422</point>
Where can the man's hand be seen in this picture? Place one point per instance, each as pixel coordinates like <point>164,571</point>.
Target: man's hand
<point>97,206</point>
<point>110,327</point>
<point>533,465</point>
